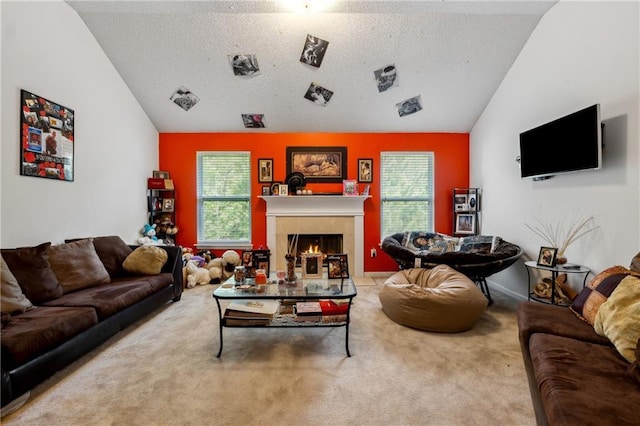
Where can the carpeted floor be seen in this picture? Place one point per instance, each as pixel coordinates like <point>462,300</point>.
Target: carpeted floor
<point>163,371</point>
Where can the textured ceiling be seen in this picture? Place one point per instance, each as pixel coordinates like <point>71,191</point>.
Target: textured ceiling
<point>453,54</point>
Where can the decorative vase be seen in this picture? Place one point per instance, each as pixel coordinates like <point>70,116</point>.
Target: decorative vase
<point>291,268</point>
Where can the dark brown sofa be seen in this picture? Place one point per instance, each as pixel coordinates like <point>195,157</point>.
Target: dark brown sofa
<point>67,323</point>
<point>577,376</point>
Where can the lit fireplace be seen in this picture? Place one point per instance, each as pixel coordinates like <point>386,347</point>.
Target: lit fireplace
<point>317,243</point>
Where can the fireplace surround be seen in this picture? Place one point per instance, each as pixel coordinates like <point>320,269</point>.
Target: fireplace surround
<point>317,214</point>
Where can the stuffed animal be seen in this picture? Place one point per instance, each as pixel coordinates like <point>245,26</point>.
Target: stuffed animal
<point>230,259</point>
<point>195,275</point>
<point>149,235</point>
<point>215,270</point>
<point>206,254</point>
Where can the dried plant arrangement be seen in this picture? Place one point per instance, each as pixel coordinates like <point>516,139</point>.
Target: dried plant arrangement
<point>562,235</point>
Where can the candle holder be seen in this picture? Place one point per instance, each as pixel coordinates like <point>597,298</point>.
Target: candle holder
<point>291,268</point>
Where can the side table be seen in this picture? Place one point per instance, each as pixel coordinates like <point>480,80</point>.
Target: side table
<point>555,270</point>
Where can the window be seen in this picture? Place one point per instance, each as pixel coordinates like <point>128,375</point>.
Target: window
<point>406,192</point>
<point>224,198</point>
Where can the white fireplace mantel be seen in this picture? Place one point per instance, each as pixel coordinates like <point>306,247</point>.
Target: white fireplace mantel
<point>318,206</point>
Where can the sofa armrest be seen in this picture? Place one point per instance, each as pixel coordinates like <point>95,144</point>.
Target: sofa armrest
<point>172,266</point>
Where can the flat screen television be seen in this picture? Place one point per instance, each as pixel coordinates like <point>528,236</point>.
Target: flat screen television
<point>568,144</point>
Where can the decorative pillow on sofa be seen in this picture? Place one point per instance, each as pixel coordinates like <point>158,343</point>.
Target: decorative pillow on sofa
<point>146,260</point>
<point>597,291</point>
<point>635,263</point>
<point>31,268</point>
<point>13,300</point>
<point>77,265</point>
<point>112,251</point>
<point>618,318</point>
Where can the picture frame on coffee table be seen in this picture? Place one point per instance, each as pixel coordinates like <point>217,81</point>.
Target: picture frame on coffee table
<point>337,266</point>
<point>311,265</point>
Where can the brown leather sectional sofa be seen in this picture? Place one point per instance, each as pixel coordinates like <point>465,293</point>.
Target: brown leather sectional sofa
<point>577,376</point>
<point>67,323</point>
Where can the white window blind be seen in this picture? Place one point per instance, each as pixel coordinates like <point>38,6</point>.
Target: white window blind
<point>406,192</point>
<point>224,198</point>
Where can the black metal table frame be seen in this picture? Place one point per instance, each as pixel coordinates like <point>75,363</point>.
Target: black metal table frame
<point>554,275</point>
<point>249,295</point>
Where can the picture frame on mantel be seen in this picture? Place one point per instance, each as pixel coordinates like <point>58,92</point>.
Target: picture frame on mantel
<point>318,164</point>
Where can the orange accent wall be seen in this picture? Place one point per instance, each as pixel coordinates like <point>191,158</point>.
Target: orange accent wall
<point>178,157</point>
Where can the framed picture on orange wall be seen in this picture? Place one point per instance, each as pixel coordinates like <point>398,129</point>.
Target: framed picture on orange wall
<point>265,170</point>
<point>365,169</point>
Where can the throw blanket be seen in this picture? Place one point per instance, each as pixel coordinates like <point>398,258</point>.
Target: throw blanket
<point>434,243</point>
<point>618,319</point>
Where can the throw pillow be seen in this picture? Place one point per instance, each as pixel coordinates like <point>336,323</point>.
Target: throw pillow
<point>618,318</point>
<point>635,263</point>
<point>31,268</point>
<point>13,300</point>
<point>479,244</point>
<point>146,260</point>
<point>596,292</point>
<point>77,265</point>
<point>112,251</point>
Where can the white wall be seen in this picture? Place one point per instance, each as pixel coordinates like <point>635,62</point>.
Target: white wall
<point>580,54</point>
<point>47,50</point>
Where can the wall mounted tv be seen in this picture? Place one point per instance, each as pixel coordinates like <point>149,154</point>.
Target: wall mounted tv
<point>568,144</point>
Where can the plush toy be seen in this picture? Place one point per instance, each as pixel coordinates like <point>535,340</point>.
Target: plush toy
<point>195,275</point>
<point>149,235</point>
<point>215,270</point>
<point>206,254</point>
<point>199,261</point>
<point>230,259</point>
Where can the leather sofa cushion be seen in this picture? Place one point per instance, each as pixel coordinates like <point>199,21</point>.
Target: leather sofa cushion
<point>31,268</point>
<point>77,265</point>
<point>108,299</point>
<point>582,382</point>
<point>39,330</point>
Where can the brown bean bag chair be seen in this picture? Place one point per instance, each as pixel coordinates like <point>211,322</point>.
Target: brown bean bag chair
<point>439,299</point>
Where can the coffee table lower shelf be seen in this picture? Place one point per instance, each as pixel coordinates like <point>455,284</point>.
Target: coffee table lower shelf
<point>286,321</point>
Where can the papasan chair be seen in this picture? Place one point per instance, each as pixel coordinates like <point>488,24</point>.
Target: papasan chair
<point>478,256</point>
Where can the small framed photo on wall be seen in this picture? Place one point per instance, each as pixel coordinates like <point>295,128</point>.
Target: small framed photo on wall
<point>547,256</point>
<point>265,170</point>
<point>365,169</point>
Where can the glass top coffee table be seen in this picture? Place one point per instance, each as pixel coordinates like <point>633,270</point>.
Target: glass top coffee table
<point>317,302</point>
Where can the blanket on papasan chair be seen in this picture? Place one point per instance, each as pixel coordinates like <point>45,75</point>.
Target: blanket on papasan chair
<point>476,256</point>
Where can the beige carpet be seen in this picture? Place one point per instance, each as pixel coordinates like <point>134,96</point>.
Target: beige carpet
<point>163,371</point>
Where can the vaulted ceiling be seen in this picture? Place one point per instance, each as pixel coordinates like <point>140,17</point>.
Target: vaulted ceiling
<point>452,54</point>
